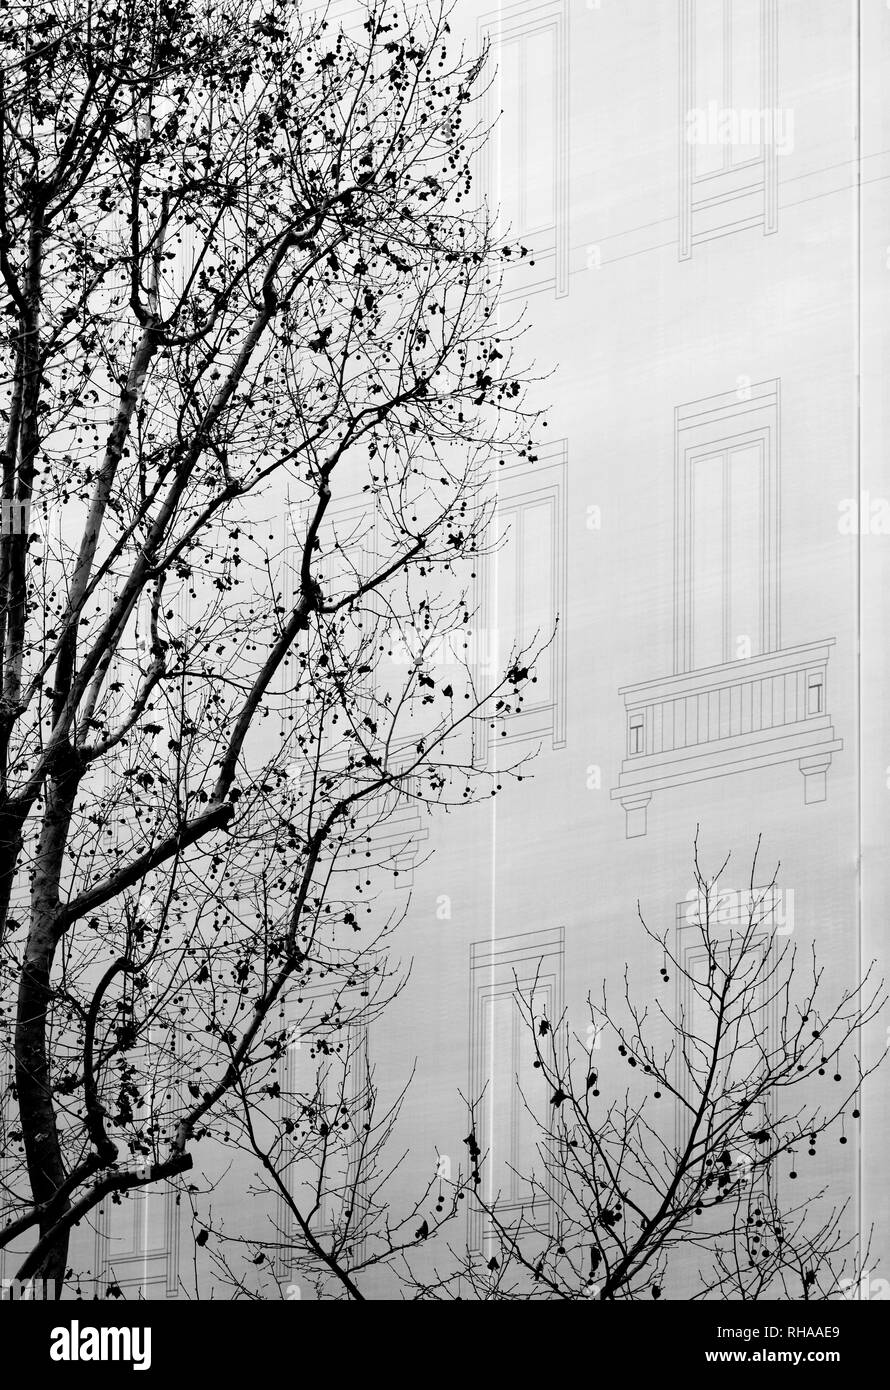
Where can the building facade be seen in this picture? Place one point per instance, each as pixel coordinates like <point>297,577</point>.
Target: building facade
<point>703,188</point>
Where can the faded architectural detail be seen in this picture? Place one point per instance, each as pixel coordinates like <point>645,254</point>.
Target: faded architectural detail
<point>527,593</point>
<point>731,127</point>
<point>137,1246</point>
<point>526,178</point>
<point>737,698</point>
<point>324,1078</point>
<point>511,1099</point>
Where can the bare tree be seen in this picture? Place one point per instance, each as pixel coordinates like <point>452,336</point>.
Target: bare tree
<point>684,1180</point>
<point>254,394</point>
<point>333,1157</point>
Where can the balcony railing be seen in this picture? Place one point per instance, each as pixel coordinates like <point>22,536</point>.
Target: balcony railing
<point>767,710</point>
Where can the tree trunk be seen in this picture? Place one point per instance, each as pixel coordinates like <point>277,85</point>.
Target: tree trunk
<point>43,1149</point>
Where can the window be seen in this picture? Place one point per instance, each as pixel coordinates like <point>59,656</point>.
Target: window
<point>137,1242</point>
<point>524,140</point>
<point>529,602</point>
<point>9,1259</point>
<point>527,583</point>
<point>727,76</point>
<point>349,544</point>
<point>727,512</point>
<point>525,175</point>
<point>14,517</point>
<point>136,1247</point>
<point>512,1094</point>
<point>730,123</point>
<point>347,555</point>
<point>288,587</point>
<point>389,828</point>
<point>322,1111</point>
<point>727,560</point>
<point>767,913</point>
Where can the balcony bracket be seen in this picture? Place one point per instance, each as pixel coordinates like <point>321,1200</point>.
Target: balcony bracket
<point>815,775</point>
<point>635,811</point>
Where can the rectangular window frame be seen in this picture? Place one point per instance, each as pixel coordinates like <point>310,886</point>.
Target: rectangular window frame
<point>126,1261</point>
<point>499,969</point>
<point>550,248</point>
<point>689,948</point>
<point>716,424</point>
<point>357,1042</point>
<point>527,485</point>
<point>743,194</point>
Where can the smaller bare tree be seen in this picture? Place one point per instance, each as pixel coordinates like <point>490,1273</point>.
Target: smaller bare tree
<point>679,1184</point>
<point>331,1160</point>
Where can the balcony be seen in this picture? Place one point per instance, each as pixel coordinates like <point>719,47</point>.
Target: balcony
<point>768,710</point>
